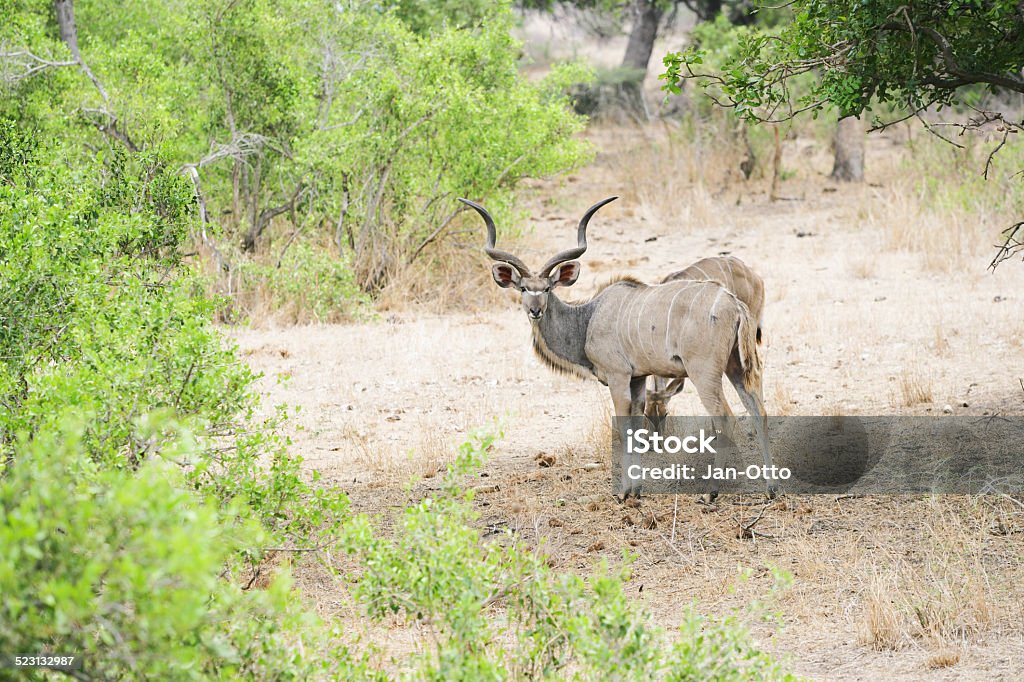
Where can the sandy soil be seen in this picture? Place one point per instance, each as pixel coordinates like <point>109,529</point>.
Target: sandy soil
<point>852,326</point>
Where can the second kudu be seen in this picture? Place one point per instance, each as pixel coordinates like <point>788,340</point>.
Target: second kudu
<point>629,331</point>
<point>734,275</point>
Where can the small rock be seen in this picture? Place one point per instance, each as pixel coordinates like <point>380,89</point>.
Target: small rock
<point>964,405</point>
<point>947,409</point>
<point>591,466</point>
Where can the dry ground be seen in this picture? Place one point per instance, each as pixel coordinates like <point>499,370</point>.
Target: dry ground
<point>885,587</point>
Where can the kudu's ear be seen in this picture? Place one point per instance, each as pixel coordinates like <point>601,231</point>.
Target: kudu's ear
<point>505,275</point>
<point>565,275</point>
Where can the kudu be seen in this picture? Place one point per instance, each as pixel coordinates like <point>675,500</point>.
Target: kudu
<point>734,275</point>
<point>628,331</point>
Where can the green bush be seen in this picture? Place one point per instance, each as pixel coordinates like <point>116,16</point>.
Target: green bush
<point>308,284</point>
<point>127,568</point>
<point>357,122</point>
<point>104,323</point>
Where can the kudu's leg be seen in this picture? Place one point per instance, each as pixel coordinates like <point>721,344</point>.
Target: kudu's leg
<point>628,401</point>
<point>712,397</point>
<point>637,396</point>
<point>753,401</point>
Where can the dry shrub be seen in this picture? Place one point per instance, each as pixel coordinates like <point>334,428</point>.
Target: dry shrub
<point>670,172</point>
<point>449,278</point>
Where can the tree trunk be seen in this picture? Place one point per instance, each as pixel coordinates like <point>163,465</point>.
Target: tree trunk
<point>743,13</point>
<point>849,150</point>
<point>641,37</point>
<point>65,11</point>
<point>707,10</point>
<point>647,16</point>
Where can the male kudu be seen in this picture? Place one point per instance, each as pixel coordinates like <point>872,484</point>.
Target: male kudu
<point>628,331</point>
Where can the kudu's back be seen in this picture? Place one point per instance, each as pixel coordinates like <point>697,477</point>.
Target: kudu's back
<point>734,275</point>
<point>678,328</point>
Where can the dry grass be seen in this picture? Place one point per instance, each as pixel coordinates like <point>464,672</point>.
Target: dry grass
<point>936,203</point>
<point>454,277</point>
<point>781,402</point>
<point>881,625</point>
<point>941,593</point>
<point>946,658</point>
<point>941,343</point>
<point>670,174</point>
<point>914,389</point>
<point>863,266</point>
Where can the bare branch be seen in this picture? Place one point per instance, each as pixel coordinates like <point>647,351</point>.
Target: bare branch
<point>204,218</point>
<point>991,155</point>
<point>17,65</point>
<point>106,123</point>
<point>1013,245</point>
<point>239,147</point>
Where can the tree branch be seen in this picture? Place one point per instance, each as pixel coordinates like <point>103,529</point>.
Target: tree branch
<point>29,64</point>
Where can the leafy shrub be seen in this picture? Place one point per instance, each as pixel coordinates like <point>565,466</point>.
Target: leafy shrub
<point>359,121</point>
<point>308,284</point>
<point>496,610</point>
<point>127,569</point>
<point>104,323</point>
<point>613,92</point>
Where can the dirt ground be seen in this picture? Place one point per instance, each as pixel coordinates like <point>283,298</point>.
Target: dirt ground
<point>884,587</point>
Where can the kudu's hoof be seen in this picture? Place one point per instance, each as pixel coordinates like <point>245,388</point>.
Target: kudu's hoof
<point>629,494</point>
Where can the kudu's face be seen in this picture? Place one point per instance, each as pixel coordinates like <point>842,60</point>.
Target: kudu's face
<point>560,271</point>
<point>534,290</point>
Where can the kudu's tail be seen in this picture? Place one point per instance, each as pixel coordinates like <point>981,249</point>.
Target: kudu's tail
<point>747,340</point>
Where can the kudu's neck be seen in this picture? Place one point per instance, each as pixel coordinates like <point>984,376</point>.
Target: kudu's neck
<point>560,335</point>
